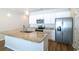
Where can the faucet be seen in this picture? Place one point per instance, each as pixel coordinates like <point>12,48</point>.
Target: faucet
<point>23,27</point>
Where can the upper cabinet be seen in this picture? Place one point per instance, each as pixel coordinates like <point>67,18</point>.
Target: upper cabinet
<point>48,16</point>
<point>34,18</point>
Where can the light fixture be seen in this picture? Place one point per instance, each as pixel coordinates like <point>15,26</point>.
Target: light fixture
<point>26,12</point>
<point>8,14</point>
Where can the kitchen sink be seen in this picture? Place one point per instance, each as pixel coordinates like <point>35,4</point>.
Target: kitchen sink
<point>27,31</point>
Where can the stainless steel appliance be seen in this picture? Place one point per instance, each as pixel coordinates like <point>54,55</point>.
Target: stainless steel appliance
<point>40,23</point>
<point>40,28</point>
<point>64,30</point>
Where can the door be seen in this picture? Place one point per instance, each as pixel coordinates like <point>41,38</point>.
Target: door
<point>58,29</point>
<point>67,30</point>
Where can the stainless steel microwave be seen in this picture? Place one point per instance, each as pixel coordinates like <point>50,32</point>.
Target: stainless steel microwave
<point>40,21</point>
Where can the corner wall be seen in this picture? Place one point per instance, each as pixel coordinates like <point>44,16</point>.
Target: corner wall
<point>14,21</point>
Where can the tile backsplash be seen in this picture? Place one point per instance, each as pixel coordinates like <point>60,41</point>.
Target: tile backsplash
<point>46,25</point>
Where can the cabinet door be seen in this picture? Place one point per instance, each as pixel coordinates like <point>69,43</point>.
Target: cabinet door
<point>46,18</point>
<point>32,19</point>
<point>53,35</point>
<point>18,44</point>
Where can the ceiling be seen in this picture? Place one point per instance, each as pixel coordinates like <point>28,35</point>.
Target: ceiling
<point>22,10</point>
<point>19,10</point>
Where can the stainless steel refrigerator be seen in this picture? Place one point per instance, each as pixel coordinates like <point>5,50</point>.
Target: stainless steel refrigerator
<point>64,30</point>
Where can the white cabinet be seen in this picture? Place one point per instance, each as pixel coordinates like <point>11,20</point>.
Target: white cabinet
<point>18,44</point>
<point>51,34</point>
<point>48,19</point>
<point>33,18</point>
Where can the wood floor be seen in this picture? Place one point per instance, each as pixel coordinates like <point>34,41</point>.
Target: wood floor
<point>5,49</point>
<point>54,46</point>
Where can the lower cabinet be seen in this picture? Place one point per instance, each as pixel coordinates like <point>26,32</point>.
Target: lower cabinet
<point>51,34</point>
<point>18,44</point>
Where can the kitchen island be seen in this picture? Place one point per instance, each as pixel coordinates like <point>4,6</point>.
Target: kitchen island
<point>21,41</point>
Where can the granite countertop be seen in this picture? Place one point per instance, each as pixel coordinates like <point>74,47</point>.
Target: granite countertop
<point>33,36</point>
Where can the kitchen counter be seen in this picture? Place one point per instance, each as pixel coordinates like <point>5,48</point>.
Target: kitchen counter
<point>21,41</point>
<point>33,36</point>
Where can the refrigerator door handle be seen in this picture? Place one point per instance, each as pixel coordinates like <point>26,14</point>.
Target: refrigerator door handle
<point>59,28</point>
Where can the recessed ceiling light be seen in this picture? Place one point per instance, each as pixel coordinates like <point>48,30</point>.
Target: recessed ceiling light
<point>9,14</point>
<point>26,12</point>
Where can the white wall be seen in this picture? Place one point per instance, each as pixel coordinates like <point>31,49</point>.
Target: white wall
<point>15,21</point>
<point>75,14</point>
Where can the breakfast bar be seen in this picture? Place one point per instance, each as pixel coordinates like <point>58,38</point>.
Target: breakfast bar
<point>26,41</point>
